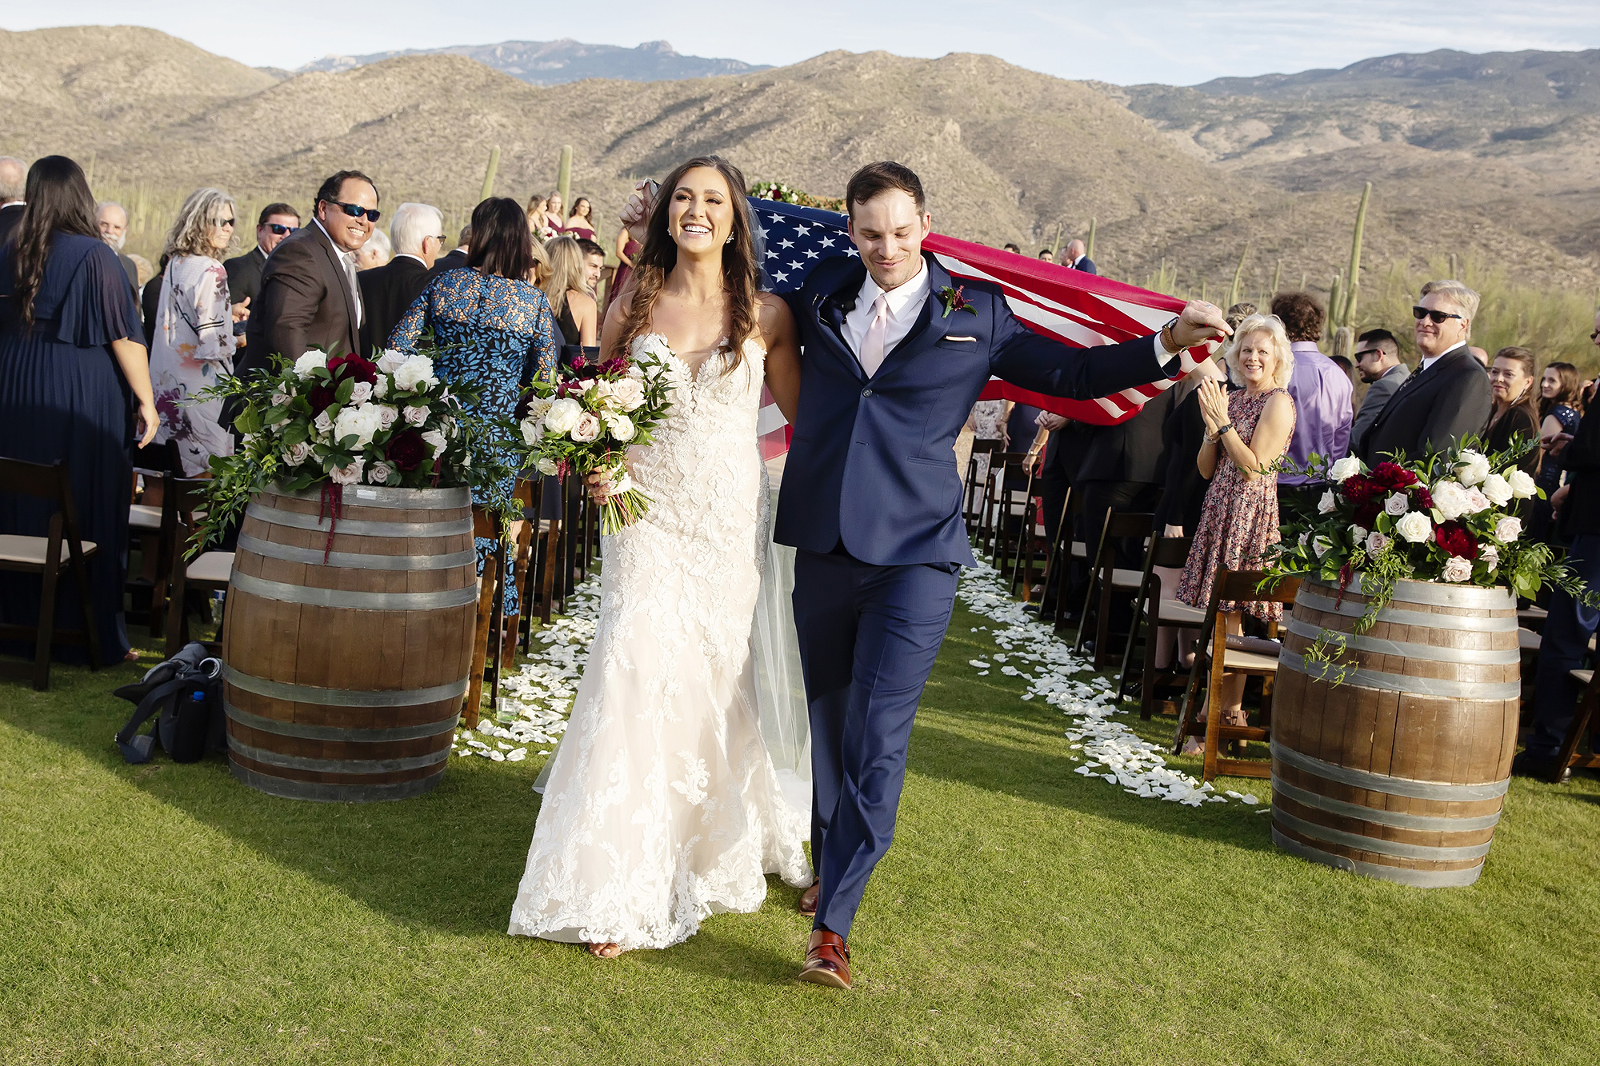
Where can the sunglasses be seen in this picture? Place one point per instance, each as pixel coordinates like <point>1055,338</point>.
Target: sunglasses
<point>1595,336</point>
<point>355,210</point>
<point>280,229</point>
<point>1368,351</point>
<point>223,222</point>
<point>1438,317</point>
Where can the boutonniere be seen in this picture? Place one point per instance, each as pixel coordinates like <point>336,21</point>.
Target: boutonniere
<point>954,301</point>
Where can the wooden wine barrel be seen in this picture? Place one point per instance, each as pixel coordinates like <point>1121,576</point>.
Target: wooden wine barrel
<point>343,679</point>
<point>1399,771</point>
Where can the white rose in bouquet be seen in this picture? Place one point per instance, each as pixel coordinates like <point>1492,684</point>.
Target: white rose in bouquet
<point>1507,530</point>
<point>380,388</point>
<point>323,424</point>
<point>628,393</point>
<point>587,428</point>
<point>532,431</point>
<point>347,475</point>
<point>1376,542</point>
<point>416,370</point>
<point>312,360</point>
<point>1326,505</point>
<point>1497,489</point>
<point>1457,569</point>
<point>1345,469</point>
<point>296,454</point>
<point>1450,500</point>
<point>379,473</point>
<point>1472,468</point>
<point>360,393</point>
<point>435,440</point>
<point>620,426</point>
<point>1305,538</point>
<point>1415,527</point>
<point>1490,555</point>
<point>599,391</point>
<point>1477,502</point>
<point>1397,504</point>
<point>390,360</point>
<point>547,467</point>
<point>562,416</point>
<point>388,415</point>
<point>1358,535</point>
<point>415,416</point>
<point>1522,484</point>
<point>279,398</point>
<point>361,421</point>
<point>1322,545</point>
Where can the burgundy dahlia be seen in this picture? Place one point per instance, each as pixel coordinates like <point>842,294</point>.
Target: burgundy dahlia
<point>406,450</point>
<point>1393,476</point>
<point>354,367</point>
<point>1456,539</point>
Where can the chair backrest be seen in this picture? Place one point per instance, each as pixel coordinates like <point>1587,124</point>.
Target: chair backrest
<point>44,480</point>
<point>1170,552</point>
<point>1121,525</point>
<point>1250,586</point>
<point>987,446</point>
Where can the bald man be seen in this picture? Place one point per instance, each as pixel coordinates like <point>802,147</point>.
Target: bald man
<point>13,179</point>
<point>1078,258</point>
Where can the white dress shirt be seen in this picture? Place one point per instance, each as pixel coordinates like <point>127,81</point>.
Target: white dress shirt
<point>903,305</point>
<point>1426,363</point>
<point>348,261</point>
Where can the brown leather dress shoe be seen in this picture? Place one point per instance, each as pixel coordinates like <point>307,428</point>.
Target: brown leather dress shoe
<point>827,961</point>
<point>808,899</point>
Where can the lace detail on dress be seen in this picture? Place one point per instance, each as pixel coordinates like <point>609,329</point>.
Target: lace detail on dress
<point>663,806</point>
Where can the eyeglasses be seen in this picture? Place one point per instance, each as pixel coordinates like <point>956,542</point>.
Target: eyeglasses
<point>1368,351</point>
<point>280,229</point>
<point>1595,336</point>
<point>355,210</point>
<point>223,222</point>
<point>1438,317</point>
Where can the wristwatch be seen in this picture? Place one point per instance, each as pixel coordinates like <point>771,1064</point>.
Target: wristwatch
<point>1217,439</point>
<point>1169,342</point>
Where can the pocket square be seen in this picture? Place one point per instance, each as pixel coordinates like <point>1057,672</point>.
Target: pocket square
<point>949,338</point>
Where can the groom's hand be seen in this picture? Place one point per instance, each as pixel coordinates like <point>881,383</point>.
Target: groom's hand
<point>1199,322</point>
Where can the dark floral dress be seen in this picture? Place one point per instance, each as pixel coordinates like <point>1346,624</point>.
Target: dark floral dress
<point>497,333</point>
<point>1239,518</point>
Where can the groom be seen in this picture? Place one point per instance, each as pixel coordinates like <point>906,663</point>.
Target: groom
<point>871,498</point>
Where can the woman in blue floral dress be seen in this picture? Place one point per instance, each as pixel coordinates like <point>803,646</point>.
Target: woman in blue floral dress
<point>491,325</point>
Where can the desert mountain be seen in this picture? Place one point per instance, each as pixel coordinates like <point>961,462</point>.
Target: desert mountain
<point>557,62</point>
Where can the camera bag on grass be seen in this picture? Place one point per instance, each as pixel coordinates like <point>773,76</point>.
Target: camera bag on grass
<point>184,693</point>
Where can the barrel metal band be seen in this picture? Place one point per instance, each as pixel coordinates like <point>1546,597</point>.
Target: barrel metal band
<point>343,697</point>
<point>1424,619</point>
<point>1394,786</point>
<point>383,496</point>
<point>1404,649</point>
<point>1395,819</point>
<point>1404,875</point>
<point>355,527</point>
<point>1416,686</point>
<point>1435,594</point>
<point>1373,844</point>
<point>324,792</point>
<point>337,766</point>
<point>284,592</point>
<point>334,732</point>
<point>354,560</point>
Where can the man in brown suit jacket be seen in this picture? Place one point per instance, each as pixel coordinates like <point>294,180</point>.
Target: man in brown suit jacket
<point>309,295</point>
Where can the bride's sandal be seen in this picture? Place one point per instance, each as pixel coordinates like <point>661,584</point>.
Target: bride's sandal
<point>604,951</point>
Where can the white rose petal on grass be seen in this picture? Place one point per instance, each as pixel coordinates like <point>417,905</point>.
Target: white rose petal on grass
<point>1415,527</point>
<point>1472,468</point>
<point>562,416</point>
<point>1397,504</point>
<point>1457,569</point>
<point>390,360</point>
<point>1327,504</point>
<point>1497,489</point>
<point>586,429</point>
<point>1522,484</point>
<point>1345,469</point>
<point>312,360</point>
<point>1507,529</point>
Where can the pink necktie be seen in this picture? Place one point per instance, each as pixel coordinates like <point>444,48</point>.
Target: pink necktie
<point>872,344</point>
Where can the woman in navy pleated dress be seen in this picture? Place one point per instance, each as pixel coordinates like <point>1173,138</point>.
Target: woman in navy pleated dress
<point>71,353</point>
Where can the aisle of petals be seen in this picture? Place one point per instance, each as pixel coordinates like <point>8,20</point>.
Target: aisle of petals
<point>1030,649</point>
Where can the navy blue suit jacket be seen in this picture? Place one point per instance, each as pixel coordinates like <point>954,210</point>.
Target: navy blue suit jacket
<point>871,465</point>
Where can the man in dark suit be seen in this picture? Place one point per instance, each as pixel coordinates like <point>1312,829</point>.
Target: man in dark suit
<point>1448,396</point>
<point>309,296</point>
<point>13,182</point>
<point>893,359</point>
<point>274,225</point>
<point>388,291</point>
<point>455,258</point>
<point>1378,362</point>
<point>1078,257</point>
<point>112,218</point>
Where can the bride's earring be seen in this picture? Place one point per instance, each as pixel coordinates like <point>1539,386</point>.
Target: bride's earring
<point>729,240</point>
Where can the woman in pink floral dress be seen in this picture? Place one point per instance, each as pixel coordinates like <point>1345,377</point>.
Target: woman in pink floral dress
<point>1247,433</point>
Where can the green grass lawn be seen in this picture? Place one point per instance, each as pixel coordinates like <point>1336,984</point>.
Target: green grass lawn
<point>167,914</point>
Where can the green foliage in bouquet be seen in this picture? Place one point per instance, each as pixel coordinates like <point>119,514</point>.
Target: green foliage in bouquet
<point>777,190</point>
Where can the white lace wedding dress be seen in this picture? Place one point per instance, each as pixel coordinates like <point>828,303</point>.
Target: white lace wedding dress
<point>662,805</point>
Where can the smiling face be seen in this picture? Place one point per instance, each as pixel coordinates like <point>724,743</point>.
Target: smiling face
<point>1437,338</point>
<point>593,267</point>
<point>1508,380</point>
<point>348,232</point>
<point>269,240</point>
<point>1257,360</point>
<point>220,230</point>
<point>113,224</point>
<point>700,213</point>
<point>1550,384</point>
<point>888,232</point>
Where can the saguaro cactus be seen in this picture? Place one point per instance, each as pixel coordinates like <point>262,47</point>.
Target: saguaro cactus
<point>1089,244</point>
<point>1238,275</point>
<point>564,180</point>
<point>1352,286</point>
<point>488,174</point>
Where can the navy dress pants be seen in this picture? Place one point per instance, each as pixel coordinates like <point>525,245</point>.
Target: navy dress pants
<point>1563,648</point>
<point>868,639</point>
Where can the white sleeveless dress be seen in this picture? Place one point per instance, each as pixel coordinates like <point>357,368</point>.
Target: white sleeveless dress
<point>662,805</point>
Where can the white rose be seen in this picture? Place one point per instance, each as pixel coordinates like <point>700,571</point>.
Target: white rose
<point>347,475</point>
<point>323,424</point>
<point>532,431</point>
<point>1397,504</point>
<point>599,389</point>
<point>416,370</point>
<point>1477,502</point>
<point>1497,489</point>
<point>435,440</point>
<point>620,426</point>
<point>1522,485</point>
<point>360,393</point>
<point>587,428</point>
<point>1414,527</point>
<point>548,467</point>
<point>415,416</point>
<point>1472,468</point>
<point>379,474</point>
<point>308,362</point>
<point>562,416</point>
<point>1490,556</point>
<point>1326,505</point>
<point>362,422</point>
<point>387,415</point>
<point>1358,535</point>
<point>280,398</point>
<point>1305,538</point>
<point>1450,500</point>
<point>381,388</point>
<point>628,393</point>
<point>1322,545</point>
<point>1376,542</point>
<point>296,454</point>
<point>1457,569</point>
<point>1345,468</point>
<point>390,361</point>
<point>1507,530</point>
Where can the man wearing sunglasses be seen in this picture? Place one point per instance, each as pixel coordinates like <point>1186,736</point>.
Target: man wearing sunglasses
<point>1378,363</point>
<point>275,223</point>
<point>1448,397</point>
<point>310,297</point>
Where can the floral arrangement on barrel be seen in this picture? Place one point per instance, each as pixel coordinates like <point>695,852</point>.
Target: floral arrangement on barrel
<point>347,420</point>
<point>584,422</point>
<point>784,194</point>
<point>1452,517</point>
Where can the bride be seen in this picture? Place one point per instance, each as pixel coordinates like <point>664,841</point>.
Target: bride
<point>662,805</point>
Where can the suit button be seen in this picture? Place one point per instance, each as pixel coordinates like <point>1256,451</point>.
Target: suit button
<point>866,392</point>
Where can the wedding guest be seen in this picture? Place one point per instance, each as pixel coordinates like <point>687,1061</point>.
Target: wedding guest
<point>276,221</point>
<point>1078,257</point>
<point>1047,254</point>
<point>1560,411</point>
<point>491,325</point>
<point>112,218</point>
<point>539,223</point>
<point>375,253</point>
<point>309,294</point>
<point>1480,354</point>
<point>1247,432</point>
<point>580,223</point>
<point>146,271</point>
<point>594,266</point>
<point>1378,363</point>
<point>552,211</point>
<point>1515,410</point>
<point>1321,394</point>
<point>13,178</point>
<point>193,344</point>
<point>1447,397</point>
<point>1012,248</point>
<point>1571,623</point>
<point>456,258</point>
<point>568,294</point>
<point>69,342</point>
<point>988,422</point>
<point>388,291</point>
<point>626,249</point>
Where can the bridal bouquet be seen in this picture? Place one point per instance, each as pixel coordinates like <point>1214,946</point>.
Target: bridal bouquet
<point>584,422</point>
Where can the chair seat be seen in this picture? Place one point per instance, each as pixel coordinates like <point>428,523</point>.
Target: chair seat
<point>1178,613</point>
<point>1583,677</point>
<point>214,567</point>
<point>1251,661</point>
<point>1528,640</point>
<point>1126,579</point>
<point>1079,551</point>
<point>143,516</point>
<point>30,551</point>
<point>1532,614</point>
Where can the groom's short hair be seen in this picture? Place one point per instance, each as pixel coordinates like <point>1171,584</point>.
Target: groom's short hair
<point>874,178</point>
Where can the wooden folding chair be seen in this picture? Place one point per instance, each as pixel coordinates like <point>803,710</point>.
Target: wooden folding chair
<point>972,498</point>
<point>1221,655</point>
<point>1569,756</point>
<point>42,556</point>
<point>1106,578</point>
<point>209,572</point>
<point>485,525</point>
<point>1007,502</point>
<point>1033,543</point>
<point>1154,607</point>
<point>152,528</point>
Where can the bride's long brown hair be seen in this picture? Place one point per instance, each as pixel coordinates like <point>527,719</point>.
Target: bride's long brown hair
<point>740,272</point>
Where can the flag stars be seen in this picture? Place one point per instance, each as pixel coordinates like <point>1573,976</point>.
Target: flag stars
<point>827,242</point>
<point>785,243</point>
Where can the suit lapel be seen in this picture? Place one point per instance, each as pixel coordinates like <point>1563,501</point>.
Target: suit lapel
<point>831,309</point>
<point>932,323</point>
<point>336,264</point>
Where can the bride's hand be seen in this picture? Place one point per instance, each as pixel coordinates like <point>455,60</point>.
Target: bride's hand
<point>636,212</point>
<point>599,488</point>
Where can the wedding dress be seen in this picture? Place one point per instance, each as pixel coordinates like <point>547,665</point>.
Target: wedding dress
<point>662,805</point>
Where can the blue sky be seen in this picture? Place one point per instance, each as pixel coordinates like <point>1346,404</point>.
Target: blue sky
<point>1123,41</point>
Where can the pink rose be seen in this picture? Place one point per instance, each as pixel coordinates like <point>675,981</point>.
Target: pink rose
<point>587,429</point>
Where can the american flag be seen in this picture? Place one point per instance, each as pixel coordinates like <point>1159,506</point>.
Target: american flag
<point>1052,300</point>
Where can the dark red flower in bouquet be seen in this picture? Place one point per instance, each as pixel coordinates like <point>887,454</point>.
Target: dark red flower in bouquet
<point>354,367</point>
<point>1421,499</point>
<point>1367,513</point>
<point>1360,488</point>
<point>1456,539</point>
<point>321,397</point>
<point>1393,476</point>
<point>406,450</point>
<point>618,365</point>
